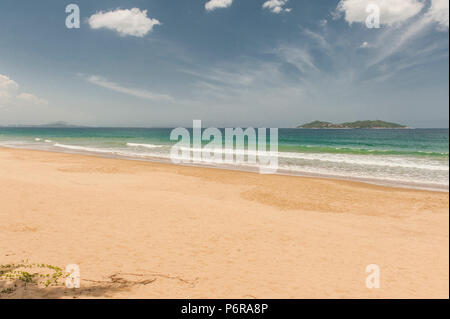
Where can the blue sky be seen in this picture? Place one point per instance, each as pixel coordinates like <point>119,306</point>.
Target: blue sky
<point>229,63</point>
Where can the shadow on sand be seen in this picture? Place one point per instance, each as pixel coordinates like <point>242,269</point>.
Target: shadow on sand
<point>116,283</point>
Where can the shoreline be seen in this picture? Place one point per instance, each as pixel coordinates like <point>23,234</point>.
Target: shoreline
<point>154,230</point>
<point>370,181</point>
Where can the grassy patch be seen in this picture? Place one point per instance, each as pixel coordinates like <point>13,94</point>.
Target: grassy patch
<point>26,273</point>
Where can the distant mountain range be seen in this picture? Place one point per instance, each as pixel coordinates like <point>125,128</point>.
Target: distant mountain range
<point>353,125</point>
<point>313,125</point>
<point>59,124</point>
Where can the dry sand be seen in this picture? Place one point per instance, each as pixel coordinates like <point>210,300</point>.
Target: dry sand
<point>148,230</point>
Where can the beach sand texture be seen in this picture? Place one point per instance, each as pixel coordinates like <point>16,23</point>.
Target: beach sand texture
<point>150,230</point>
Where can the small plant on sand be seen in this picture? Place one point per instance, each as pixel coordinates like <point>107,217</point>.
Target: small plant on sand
<point>7,290</point>
<point>25,273</point>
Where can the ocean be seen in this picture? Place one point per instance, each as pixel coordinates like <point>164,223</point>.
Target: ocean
<point>413,158</point>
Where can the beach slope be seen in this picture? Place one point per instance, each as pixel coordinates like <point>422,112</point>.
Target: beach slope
<point>149,230</point>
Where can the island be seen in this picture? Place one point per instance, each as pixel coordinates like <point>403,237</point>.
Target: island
<point>353,125</point>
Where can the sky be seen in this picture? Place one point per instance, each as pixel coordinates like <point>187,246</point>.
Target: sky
<point>272,63</point>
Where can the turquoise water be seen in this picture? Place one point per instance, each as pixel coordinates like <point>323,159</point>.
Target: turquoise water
<point>411,157</point>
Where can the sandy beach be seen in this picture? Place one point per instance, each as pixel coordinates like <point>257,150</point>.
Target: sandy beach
<point>150,230</point>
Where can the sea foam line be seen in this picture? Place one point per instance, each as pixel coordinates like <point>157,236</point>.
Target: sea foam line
<point>145,145</point>
<point>363,160</point>
<point>330,158</point>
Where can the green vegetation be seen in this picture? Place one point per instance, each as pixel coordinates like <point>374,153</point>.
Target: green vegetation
<point>26,273</point>
<point>317,124</point>
<point>353,125</point>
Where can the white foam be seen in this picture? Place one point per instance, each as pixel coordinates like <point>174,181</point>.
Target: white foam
<point>362,160</point>
<point>375,160</point>
<point>380,176</point>
<point>83,148</point>
<point>382,168</point>
<point>144,145</point>
<point>111,151</point>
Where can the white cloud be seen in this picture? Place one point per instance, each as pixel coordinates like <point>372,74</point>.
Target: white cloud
<point>8,87</point>
<point>276,6</point>
<point>217,4</point>
<point>297,56</point>
<point>365,45</point>
<point>391,11</point>
<point>318,38</point>
<point>404,37</point>
<point>9,94</point>
<point>30,98</point>
<point>438,12</point>
<point>140,93</point>
<point>132,22</point>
